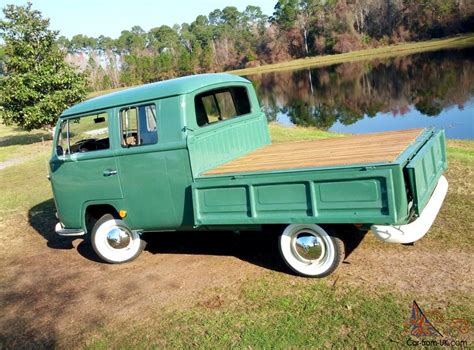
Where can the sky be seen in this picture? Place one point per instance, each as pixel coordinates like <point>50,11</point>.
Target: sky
<point>109,17</point>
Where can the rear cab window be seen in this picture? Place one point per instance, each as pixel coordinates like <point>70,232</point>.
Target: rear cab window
<point>218,105</point>
<point>83,134</point>
<point>138,126</point>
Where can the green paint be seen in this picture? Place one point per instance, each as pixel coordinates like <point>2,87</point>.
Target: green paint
<point>162,187</point>
<point>425,169</point>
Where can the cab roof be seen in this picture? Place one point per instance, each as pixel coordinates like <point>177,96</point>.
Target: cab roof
<point>152,91</point>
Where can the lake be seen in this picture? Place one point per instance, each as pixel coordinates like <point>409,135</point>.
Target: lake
<point>424,90</point>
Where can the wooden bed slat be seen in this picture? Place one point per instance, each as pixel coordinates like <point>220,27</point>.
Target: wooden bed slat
<point>357,149</point>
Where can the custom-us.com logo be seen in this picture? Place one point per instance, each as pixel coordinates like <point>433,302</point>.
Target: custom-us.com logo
<point>436,331</point>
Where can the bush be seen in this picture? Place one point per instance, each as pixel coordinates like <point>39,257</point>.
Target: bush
<point>347,42</point>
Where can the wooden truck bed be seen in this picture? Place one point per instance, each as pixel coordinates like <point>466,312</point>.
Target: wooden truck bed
<point>382,147</point>
<point>325,181</point>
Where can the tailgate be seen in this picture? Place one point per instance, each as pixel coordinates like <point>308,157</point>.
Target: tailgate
<point>425,169</point>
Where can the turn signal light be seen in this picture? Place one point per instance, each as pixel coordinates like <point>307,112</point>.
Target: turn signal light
<point>123,213</point>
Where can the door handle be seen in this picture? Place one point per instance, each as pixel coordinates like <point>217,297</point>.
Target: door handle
<point>110,172</point>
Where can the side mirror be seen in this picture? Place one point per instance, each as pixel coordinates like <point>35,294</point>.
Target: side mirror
<point>59,151</point>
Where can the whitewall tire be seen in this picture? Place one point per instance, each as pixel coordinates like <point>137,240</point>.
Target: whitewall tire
<point>310,251</point>
<point>114,242</point>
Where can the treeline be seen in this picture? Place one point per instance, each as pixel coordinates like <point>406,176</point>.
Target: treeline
<point>229,39</point>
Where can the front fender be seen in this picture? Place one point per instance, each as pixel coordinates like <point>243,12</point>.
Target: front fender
<point>117,204</point>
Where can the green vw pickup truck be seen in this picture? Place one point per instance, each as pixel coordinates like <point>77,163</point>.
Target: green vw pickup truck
<point>194,153</point>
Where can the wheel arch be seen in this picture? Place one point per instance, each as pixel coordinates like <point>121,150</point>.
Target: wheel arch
<point>92,211</point>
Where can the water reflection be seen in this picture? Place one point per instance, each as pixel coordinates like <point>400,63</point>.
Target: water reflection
<point>431,89</point>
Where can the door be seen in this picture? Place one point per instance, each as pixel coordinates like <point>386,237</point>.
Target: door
<point>84,167</point>
<point>143,170</point>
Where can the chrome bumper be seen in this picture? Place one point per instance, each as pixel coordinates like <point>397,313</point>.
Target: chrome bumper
<point>67,232</point>
<point>415,230</point>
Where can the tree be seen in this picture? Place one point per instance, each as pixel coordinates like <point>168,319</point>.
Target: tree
<point>132,41</point>
<point>2,58</point>
<point>285,13</point>
<point>290,14</point>
<point>228,39</point>
<point>255,19</point>
<point>163,39</point>
<point>37,84</point>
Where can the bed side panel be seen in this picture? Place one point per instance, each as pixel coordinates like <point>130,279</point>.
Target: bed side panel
<point>362,195</point>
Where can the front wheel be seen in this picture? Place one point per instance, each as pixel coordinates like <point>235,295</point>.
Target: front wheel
<point>310,251</point>
<point>114,242</point>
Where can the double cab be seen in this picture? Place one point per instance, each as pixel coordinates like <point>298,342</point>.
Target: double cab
<point>194,154</point>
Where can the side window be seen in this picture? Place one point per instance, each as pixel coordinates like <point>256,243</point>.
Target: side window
<point>84,134</point>
<point>217,105</point>
<point>138,126</point>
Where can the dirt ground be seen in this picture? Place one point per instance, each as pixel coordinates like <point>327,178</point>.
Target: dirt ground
<point>58,289</point>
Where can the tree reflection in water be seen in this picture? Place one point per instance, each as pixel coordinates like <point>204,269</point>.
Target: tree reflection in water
<point>346,93</point>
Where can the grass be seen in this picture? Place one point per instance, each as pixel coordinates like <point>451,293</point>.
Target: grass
<point>24,185</point>
<point>280,133</point>
<point>16,143</point>
<point>275,312</point>
<point>461,151</point>
<point>362,55</point>
<point>278,310</point>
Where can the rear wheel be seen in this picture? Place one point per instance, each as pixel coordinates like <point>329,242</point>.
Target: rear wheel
<point>114,242</point>
<point>310,251</point>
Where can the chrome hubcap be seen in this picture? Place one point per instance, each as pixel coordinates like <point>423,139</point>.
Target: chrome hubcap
<point>118,238</point>
<point>308,246</point>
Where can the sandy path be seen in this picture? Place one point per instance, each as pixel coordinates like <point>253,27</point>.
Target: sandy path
<point>14,161</point>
